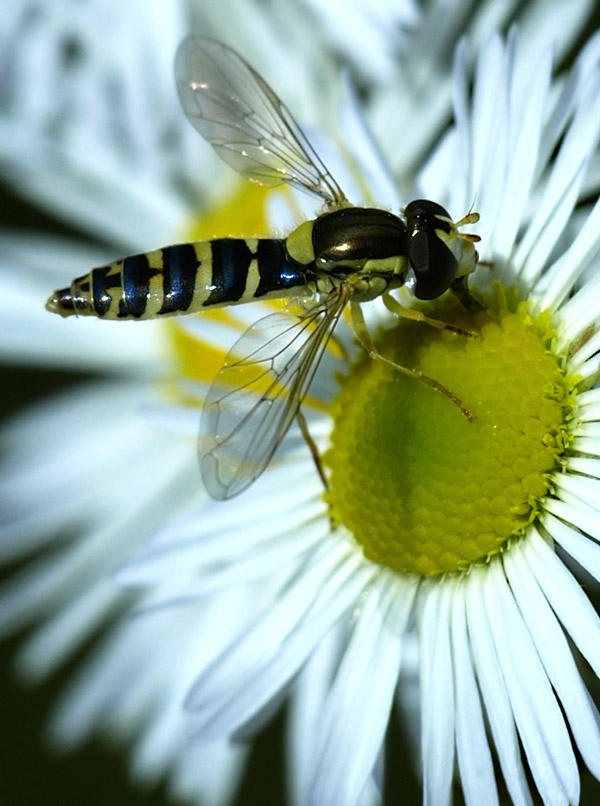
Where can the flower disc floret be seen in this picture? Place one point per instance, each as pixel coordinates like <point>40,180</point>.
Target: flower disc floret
<point>420,487</point>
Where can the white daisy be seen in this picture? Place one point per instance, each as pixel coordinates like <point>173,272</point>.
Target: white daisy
<point>454,522</point>
<point>138,203</point>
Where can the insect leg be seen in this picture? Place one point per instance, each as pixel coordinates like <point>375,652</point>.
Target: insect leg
<point>363,335</point>
<point>396,308</point>
<point>461,289</point>
<point>312,446</point>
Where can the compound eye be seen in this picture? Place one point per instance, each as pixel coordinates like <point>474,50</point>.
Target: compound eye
<point>433,263</point>
<point>423,214</point>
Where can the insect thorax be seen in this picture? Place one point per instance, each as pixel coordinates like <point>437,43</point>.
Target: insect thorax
<point>366,243</point>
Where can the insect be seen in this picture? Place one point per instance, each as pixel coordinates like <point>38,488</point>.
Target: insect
<point>347,254</point>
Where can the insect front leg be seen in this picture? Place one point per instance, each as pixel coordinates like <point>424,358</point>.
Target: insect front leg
<point>363,335</point>
<point>398,309</point>
<point>468,300</point>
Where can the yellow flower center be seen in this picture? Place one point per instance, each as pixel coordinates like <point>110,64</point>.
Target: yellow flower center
<point>242,215</point>
<point>421,488</point>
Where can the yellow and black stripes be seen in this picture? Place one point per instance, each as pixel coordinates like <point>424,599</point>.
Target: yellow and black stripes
<point>185,278</point>
<point>369,249</point>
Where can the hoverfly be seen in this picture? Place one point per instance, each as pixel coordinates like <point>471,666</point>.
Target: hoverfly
<point>346,254</point>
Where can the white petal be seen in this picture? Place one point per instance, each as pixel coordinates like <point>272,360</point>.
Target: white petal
<point>358,707</point>
<point>122,679</point>
<point>584,464</point>
<point>437,694</point>
<point>555,655</point>
<point>587,429</point>
<point>562,187</point>
<point>579,617</point>
<point>307,700</point>
<point>584,360</point>
<point>582,516</point>
<point>589,405</point>
<point>559,197</point>
<point>60,635</point>
<point>575,489</point>
<point>376,183</point>
<point>240,683</point>
<point>206,549</point>
<point>494,690</point>
<point>48,480</point>
<point>537,714</point>
<point>368,24</point>
<point>590,445</point>
<point>577,314</point>
<point>526,114</point>
<point>48,584</point>
<point>199,773</point>
<point>570,95</point>
<point>544,21</point>
<point>472,747</point>
<point>560,278</point>
<point>462,141</point>
<point>201,571</point>
<point>489,135</point>
<point>408,698</point>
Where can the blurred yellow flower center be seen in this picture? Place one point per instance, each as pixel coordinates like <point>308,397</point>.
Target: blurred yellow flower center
<point>421,488</point>
<point>242,215</point>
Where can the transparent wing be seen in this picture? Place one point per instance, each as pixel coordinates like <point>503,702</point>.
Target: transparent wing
<point>256,395</point>
<point>242,118</point>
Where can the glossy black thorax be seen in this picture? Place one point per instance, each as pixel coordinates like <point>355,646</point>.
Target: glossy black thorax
<point>353,235</point>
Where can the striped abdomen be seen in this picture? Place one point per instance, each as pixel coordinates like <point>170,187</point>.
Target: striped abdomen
<point>183,279</point>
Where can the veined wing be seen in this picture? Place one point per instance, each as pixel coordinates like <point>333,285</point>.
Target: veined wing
<point>257,393</point>
<point>241,117</point>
